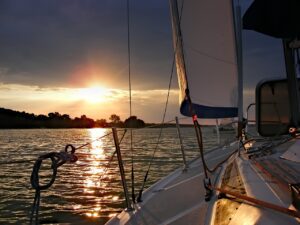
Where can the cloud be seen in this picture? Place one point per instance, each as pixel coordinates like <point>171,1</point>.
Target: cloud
<point>51,47</point>
<point>70,43</point>
<point>263,58</point>
<point>148,105</point>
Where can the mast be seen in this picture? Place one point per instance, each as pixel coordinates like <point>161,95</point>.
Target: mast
<point>239,53</point>
<point>292,83</point>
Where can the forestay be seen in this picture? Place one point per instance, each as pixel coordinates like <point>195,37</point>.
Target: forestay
<point>206,57</point>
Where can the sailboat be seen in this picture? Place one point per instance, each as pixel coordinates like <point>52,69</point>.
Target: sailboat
<point>251,181</point>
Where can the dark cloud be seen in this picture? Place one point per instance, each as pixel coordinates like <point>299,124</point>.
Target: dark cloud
<point>68,43</point>
<point>263,58</point>
<point>262,54</point>
<point>56,42</point>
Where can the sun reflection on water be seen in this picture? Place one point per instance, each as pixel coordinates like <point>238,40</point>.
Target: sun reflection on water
<point>96,169</point>
<point>96,184</point>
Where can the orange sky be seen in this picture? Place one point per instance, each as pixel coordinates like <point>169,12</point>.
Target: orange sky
<point>95,102</point>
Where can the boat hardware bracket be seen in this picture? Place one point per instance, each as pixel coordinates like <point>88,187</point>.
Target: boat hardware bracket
<point>207,186</point>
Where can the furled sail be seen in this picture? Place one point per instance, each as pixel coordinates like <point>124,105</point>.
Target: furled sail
<point>206,57</point>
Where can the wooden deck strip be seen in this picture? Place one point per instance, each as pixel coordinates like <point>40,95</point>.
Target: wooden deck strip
<point>280,170</point>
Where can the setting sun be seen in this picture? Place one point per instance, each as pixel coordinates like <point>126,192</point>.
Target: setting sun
<point>94,94</point>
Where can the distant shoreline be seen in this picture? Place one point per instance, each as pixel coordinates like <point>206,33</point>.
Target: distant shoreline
<point>152,126</point>
<point>11,119</point>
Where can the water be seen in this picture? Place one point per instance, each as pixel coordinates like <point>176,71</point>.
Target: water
<point>78,195</point>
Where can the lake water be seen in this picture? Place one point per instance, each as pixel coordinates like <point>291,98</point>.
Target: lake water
<point>78,195</point>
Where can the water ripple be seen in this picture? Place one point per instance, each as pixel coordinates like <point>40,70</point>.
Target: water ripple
<point>78,195</point>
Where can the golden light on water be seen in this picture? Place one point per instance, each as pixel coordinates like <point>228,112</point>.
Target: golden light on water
<point>97,208</point>
<point>97,163</point>
<point>76,207</point>
<point>96,168</point>
<point>115,198</point>
<point>92,214</point>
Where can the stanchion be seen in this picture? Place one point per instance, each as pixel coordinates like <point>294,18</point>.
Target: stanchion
<point>122,172</point>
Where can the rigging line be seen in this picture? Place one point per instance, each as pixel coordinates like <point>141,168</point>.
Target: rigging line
<point>139,199</point>
<point>197,127</point>
<point>160,132</point>
<point>33,160</point>
<point>235,151</point>
<point>297,61</point>
<point>125,131</point>
<point>165,111</point>
<point>130,99</point>
<point>55,164</point>
<point>34,215</point>
<point>88,143</point>
<point>223,161</point>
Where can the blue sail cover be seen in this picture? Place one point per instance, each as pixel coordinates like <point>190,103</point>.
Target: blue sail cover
<point>205,54</point>
<point>208,112</point>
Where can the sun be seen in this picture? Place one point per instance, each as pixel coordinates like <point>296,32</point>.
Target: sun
<point>94,94</point>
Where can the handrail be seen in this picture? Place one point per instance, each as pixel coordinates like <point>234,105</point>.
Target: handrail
<point>247,115</point>
<point>181,144</point>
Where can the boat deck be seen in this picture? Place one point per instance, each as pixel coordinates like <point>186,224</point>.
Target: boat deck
<point>179,197</point>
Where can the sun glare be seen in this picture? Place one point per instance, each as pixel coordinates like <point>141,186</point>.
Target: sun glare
<point>94,94</point>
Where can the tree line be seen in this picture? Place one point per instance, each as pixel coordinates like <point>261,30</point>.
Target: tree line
<point>15,119</point>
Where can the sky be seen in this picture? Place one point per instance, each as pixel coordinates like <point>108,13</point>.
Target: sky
<point>72,57</point>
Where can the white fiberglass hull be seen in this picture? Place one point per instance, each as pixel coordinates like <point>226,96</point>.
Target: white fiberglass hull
<point>179,197</point>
